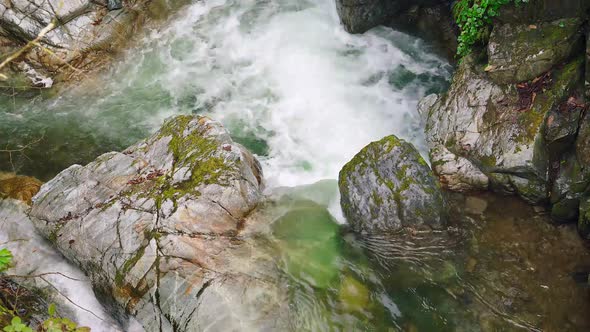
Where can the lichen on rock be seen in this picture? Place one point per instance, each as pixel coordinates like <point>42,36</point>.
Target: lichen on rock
<point>159,228</point>
<point>387,186</point>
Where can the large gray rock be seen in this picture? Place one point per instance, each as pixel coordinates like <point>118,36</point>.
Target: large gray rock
<point>45,274</point>
<point>521,52</point>
<point>487,125</point>
<point>160,229</point>
<point>387,186</point>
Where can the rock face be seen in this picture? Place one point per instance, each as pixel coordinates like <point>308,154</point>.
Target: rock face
<point>521,52</point>
<point>159,228</point>
<point>85,31</point>
<point>388,186</point>
<point>45,275</point>
<point>513,120</point>
<point>359,16</point>
<point>429,19</point>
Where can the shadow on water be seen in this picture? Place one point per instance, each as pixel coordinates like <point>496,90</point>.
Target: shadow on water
<point>500,267</point>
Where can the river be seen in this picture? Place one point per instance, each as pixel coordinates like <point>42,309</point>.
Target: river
<point>292,86</point>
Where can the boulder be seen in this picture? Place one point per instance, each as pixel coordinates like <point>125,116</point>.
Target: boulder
<point>521,52</point>
<point>432,21</point>
<point>159,229</point>
<point>506,132</point>
<point>358,16</point>
<point>388,186</point>
<point>428,19</point>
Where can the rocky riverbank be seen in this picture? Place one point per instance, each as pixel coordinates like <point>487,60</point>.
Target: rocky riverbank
<point>49,42</point>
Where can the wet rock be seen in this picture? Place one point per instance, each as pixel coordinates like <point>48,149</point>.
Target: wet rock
<point>432,21</point>
<point>535,11</point>
<point>584,219</point>
<point>475,205</point>
<point>88,32</point>
<point>309,238</point>
<point>359,16</point>
<point>521,52</point>
<point>387,186</point>
<point>41,271</point>
<point>114,4</point>
<point>18,187</point>
<point>354,296</point>
<point>159,229</point>
<point>499,129</point>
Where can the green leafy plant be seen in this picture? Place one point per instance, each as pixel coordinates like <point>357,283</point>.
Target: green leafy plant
<point>5,259</point>
<point>60,324</point>
<point>53,324</point>
<point>16,325</point>
<point>474,18</point>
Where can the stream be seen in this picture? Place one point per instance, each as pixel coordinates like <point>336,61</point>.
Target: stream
<point>305,96</point>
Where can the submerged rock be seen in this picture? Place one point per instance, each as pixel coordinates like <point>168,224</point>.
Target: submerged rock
<point>388,186</point>
<point>160,229</point>
<point>18,187</point>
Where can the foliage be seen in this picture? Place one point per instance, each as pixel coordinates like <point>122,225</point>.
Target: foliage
<point>5,259</point>
<point>16,325</point>
<point>53,324</point>
<point>474,18</point>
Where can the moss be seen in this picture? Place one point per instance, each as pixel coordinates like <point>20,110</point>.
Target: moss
<point>531,121</point>
<point>190,150</point>
<point>127,266</point>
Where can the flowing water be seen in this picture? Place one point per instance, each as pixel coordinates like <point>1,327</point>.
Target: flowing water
<point>302,94</point>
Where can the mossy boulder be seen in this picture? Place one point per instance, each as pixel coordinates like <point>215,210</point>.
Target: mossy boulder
<point>522,52</point>
<point>160,230</point>
<point>387,186</point>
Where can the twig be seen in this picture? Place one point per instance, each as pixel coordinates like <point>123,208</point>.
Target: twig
<point>28,46</point>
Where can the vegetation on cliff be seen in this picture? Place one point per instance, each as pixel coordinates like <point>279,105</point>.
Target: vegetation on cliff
<point>474,18</point>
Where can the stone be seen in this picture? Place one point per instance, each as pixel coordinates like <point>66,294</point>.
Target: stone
<point>535,11</point>
<point>358,16</point>
<point>160,230</point>
<point>432,21</point>
<point>22,188</point>
<point>521,52</point>
<point>584,219</point>
<point>481,129</point>
<point>308,237</point>
<point>114,4</point>
<point>88,32</point>
<point>388,186</point>
<point>45,273</point>
<point>354,296</point>
<point>475,205</point>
